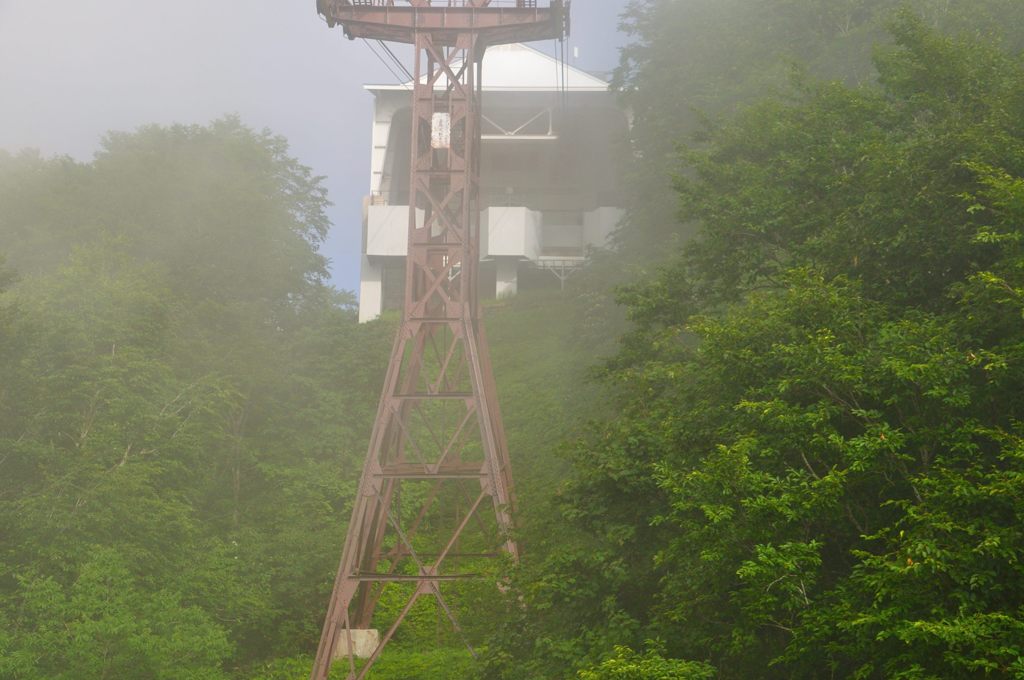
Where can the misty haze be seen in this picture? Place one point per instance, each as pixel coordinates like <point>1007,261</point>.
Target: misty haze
<point>512,340</point>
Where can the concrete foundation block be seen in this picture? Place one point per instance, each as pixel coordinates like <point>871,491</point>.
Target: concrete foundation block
<point>364,642</point>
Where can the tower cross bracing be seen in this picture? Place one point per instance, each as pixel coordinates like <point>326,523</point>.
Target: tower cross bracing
<point>435,497</point>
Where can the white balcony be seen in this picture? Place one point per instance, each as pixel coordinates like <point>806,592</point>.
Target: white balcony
<point>599,224</point>
<point>511,231</point>
<point>568,234</point>
<point>387,229</point>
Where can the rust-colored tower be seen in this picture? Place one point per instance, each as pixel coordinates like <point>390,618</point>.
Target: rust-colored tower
<point>438,440</point>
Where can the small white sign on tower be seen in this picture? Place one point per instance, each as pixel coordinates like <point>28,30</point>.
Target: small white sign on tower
<point>441,130</point>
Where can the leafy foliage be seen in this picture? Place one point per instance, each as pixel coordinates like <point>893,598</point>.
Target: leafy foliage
<point>104,625</point>
<point>182,406</point>
<point>628,665</point>
<point>820,409</point>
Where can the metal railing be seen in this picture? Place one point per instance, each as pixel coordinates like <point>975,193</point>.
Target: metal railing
<point>528,4</point>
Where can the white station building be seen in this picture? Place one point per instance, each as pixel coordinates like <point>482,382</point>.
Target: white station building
<point>549,189</point>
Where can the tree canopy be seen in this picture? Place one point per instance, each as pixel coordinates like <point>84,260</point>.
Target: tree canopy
<point>816,464</point>
<point>182,406</point>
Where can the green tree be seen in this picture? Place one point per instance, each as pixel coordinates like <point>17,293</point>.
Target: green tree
<point>179,389</point>
<point>105,626</point>
<point>628,665</point>
<point>694,61</point>
<point>820,403</point>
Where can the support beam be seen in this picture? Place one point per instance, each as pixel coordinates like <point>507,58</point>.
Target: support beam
<point>371,290</point>
<point>507,275</point>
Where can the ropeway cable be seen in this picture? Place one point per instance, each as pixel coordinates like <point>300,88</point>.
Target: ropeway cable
<point>396,60</point>
<point>386,64</point>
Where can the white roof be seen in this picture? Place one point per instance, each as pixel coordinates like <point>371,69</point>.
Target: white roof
<point>519,68</point>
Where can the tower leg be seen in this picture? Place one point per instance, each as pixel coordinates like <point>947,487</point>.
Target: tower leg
<point>438,425</point>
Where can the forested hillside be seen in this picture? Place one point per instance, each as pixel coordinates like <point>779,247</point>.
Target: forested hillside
<point>182,406</point>
<point>777,433</point>
<point>185,405</point>
<point>816,470</point>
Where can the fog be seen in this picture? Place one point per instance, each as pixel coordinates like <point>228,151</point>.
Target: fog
<point>774,431</point>
<point>71,71</point>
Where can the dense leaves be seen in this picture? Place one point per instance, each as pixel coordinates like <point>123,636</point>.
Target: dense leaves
<point>816,470</point>
<point>691,61</point>
<point>182,407</point>
<point>628,665</point>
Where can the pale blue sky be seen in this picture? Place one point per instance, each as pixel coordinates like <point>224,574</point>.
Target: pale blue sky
<point>69,71</point>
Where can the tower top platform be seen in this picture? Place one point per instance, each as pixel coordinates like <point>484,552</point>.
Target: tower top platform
<point>495,22</point>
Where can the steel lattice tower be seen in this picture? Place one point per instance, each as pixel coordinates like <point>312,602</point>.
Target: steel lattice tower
<point>438,435</point>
